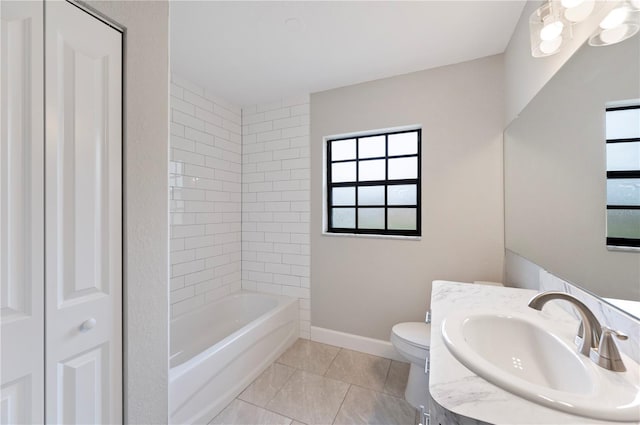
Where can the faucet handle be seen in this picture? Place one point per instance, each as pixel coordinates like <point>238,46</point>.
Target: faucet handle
<point>607,354</point>
<point>617,334</point>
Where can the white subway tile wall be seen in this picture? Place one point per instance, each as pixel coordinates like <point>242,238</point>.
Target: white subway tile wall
<point>205,196</point>
<point>276,201</point>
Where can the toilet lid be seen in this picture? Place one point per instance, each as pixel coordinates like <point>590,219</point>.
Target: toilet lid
<point>415,333</point>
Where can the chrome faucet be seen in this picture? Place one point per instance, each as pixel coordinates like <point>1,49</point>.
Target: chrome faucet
<point>595,341</point>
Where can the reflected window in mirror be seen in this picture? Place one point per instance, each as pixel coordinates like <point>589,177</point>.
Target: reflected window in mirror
<point>623,176</point>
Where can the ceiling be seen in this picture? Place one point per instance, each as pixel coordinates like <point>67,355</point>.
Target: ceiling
<point>255,52</point>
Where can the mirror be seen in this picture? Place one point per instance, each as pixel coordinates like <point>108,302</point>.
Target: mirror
<point>555,172</point>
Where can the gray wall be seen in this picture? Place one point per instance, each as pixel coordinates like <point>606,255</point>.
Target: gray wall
<point>146,105</point>
<point>364,286</point>
<point>520,272</point>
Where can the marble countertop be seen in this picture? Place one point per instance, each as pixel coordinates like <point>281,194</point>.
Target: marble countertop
<point>461,391</point>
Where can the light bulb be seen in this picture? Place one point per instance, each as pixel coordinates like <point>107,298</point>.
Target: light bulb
<point>551,30</point>
<point>550,46</point>
<point>615,18</point>
<point>571,3</point>
<point>580,11</point>
<point>614,35</point>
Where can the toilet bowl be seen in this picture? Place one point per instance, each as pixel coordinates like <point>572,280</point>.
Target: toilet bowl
<point>411,340</point>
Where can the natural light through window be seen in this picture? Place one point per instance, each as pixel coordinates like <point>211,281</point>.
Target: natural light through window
<point>623,176</point>
<point>373,184</point>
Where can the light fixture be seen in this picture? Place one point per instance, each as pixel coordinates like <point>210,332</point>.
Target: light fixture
<point>546,28</point>
<point>551,46</point>
<point>615,18</point>
<point>620,24</point>
<point>551,24</point>
<point>551,29</point>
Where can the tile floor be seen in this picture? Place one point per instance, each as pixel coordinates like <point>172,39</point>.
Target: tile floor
<point>313,383</point>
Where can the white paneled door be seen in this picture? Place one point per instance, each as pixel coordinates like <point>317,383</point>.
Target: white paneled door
<point>21,214</point>
<point>60,229</point>
<point>83,224</point>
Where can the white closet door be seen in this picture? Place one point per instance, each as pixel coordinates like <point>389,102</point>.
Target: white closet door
<point>21,214</point>
<point>83,218</point>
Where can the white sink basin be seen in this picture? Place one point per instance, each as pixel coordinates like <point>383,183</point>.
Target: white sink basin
<point>516,353</point>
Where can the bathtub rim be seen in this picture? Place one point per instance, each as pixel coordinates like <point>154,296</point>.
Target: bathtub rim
<point>178,371</point>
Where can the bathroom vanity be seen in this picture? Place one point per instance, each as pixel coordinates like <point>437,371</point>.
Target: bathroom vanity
<point>460,396</point>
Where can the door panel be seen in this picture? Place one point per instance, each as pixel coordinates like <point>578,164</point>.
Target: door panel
<point>21,213</point>
<point>84,182</point>
<point>17,401</point>
<point>82,381</point>
<point>83,218</point>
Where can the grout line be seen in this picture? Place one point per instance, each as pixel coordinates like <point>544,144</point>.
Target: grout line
<point>386,378</point>
<point>332,361</point>
<point>379,392</point>
<point>399,399</point>
<point>341,404</point>
<point>277,392</point>
<point>265,409</point>
<point>223,409</point>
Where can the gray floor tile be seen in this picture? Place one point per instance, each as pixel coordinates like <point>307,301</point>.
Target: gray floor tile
<point>262,390</point>
<point>241,413</point>
<point>359,368</point>
<point>310,356</point>
<point>397,379</point>
<point>309,398</point>
<point>364,406</point>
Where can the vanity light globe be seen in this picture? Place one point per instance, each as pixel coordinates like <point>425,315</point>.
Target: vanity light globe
<point>614,35</point>
<point>546,27</point>
<point>579,11</point>
<point>551,30</point>
<point>616,17</point>
<point>550,46</point>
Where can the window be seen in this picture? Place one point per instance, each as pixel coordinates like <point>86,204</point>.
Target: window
<point>623,176</point>
<point>373,184</point>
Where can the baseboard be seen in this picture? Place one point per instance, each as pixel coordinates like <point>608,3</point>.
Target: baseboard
<point>363,344</point>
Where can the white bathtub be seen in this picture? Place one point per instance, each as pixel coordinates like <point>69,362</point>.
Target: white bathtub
<point>218,349</point>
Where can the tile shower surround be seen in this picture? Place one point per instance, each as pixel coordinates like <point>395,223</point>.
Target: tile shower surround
<point>205,197</point>
<point>239,181</point>
<point>276,201</point>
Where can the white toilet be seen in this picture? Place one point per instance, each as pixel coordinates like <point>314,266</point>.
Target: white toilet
<point>412,341</point>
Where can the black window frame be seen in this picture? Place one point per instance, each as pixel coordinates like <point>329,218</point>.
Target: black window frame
<point>627,174</point>
<point>386,183</point>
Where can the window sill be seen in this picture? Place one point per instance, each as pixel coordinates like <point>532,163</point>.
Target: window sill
<point>365,236</point>
<point>623,248</point>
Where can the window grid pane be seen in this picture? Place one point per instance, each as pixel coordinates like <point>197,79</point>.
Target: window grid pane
<point>369,176</point>
<point>344,196</point>
<point>623,176</point>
